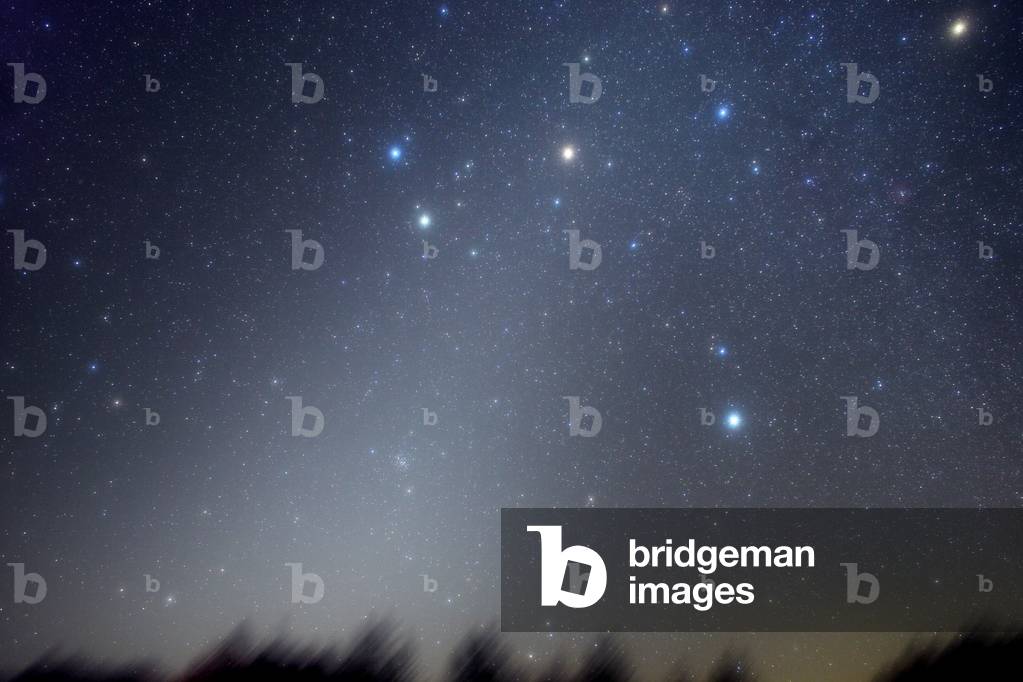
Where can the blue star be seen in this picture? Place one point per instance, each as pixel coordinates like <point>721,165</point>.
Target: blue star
<point>733,420</point>
<point>724,111</point>
<point>395,153</point>
<point>722,351</point>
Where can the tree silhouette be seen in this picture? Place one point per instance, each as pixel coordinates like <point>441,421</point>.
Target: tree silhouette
<point>482,657</point>
<point>379,654</point>
<point>732,668</point>
<point>605,663</point>
<point>967,657</point>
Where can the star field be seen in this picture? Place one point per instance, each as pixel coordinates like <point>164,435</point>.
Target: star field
<point>445,289</point>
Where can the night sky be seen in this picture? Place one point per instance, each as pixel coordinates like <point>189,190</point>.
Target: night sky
<point>491,335</point>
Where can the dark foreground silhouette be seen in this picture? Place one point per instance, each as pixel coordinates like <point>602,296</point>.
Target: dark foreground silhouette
<point>378,654</point>
<point>966,658</point>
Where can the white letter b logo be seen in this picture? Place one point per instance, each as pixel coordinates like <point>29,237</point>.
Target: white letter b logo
<point>555,562</point>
